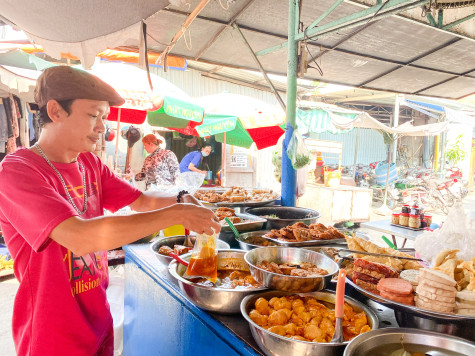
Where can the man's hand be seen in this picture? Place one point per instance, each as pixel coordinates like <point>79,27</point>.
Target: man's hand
<point>199,219</point>
<point>190,199</point>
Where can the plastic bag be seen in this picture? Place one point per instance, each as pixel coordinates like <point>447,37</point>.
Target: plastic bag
<point>204,258</point>
<point>457,232</point>
<point>189,181</point>
<point>302,176</point>
<point>115,296</point>
<point>297,151</point>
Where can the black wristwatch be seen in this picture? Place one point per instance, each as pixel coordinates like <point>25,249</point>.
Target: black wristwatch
<point>180,195</point>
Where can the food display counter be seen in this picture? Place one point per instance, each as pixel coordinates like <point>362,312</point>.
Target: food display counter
<point>160,320</point>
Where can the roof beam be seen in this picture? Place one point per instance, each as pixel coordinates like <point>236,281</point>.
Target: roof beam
<point>356,19</point>
<point>261,68</point>
<point>366,97</point>
<point>325,14</point>
<point>236,81</point>
<point>221,30</point>
<point>425,54</point>
<point>458,22</point>
<point>442,82</point>
<point>419,22</point>
<point>311,43</point>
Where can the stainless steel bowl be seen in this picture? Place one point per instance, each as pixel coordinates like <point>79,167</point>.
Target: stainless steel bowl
<point>291,255</point>
<point>218,300</point>
<point>244,238</point>
<point>414,340</point>
<point>285,216</point>
<point>276,345</point>
<point>177,240</point>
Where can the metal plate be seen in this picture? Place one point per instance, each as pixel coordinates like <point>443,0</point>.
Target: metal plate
<point>236,204</point>
<point>251,223</point>
<point>409,228</point>
<point>306,243</point>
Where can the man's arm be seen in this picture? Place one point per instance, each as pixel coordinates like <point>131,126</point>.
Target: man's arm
<point>83,236</point>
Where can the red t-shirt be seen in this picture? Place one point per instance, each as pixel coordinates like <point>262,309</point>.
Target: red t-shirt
<point>61,306</point>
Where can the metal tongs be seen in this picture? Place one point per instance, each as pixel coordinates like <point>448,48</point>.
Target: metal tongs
<point>376,254</point>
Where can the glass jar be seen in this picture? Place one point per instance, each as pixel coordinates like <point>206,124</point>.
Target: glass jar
<point>404,219</point>
<point>395,219</point>
<point>405,209</point>
<point>414,221</point>
<point>415,211</point>
<point>428,219</point>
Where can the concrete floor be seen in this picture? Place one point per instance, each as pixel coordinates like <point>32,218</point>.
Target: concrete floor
<point>9,288</point>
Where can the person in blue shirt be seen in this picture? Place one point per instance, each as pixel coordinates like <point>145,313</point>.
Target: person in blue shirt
<point>193,159</point>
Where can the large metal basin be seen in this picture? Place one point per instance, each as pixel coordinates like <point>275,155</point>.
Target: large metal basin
<point>276,345</point>
<point>218,300</point>
<point>414,340</point>
<point>291,255</point>
<point>285,216</point>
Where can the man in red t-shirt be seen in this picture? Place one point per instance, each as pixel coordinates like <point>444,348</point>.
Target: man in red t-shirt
<point>51,212</point>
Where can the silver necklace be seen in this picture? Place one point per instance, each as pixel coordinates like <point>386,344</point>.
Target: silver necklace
<point>64,183</point>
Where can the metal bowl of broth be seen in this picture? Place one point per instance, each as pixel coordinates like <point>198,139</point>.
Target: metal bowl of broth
<point>220,298</point>
<point>408,342</point>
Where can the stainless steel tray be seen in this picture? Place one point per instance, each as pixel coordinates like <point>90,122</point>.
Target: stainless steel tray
<point>409,308</point>
<point>408,228</point>
<point>246,203</point>
<point>251,223</point>
<point>301,243</point>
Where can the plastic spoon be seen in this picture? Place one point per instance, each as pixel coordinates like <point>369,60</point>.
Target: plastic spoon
<point>179,259</point>
<point>339,307</point>
<point>231,225</point>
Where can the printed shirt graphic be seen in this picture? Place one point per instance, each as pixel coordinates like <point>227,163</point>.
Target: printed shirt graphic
<point>61,306</point>
<point>160,167</point>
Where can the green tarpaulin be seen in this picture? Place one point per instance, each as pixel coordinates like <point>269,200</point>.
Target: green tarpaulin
<point>315,121</point>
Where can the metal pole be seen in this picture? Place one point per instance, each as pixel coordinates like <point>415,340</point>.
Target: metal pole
<point>117,140</point>
<point>289,176</point>
<point>356,152</point>
<point>223,163</point>
<point>397,100</point>
<point>261,68</point>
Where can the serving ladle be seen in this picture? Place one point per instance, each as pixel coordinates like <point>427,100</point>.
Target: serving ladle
<point>339,308</point>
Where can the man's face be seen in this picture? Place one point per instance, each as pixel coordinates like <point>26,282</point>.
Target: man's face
<point>83,128</point>
<point>207,150</point>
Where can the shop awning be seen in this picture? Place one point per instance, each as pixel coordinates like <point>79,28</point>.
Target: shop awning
<point>406,129</point>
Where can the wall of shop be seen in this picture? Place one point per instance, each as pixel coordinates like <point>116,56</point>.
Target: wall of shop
<point>371,147</point>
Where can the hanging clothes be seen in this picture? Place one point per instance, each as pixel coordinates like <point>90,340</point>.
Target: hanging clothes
<point>11,142</point>
<point>3,128</point>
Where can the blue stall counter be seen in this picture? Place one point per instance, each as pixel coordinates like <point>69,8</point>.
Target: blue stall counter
<point>160,320</point>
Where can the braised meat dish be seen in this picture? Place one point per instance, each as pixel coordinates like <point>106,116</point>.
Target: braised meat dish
<point>231,280</point>
<point>178,249</point>
<point>303,269</point>
<point>302,232</point>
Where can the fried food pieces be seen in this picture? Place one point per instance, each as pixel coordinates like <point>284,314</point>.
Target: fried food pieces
<point>462,271</point>
<point>301,232</point>
<point>229,213</point>
<point>306,318</point>
<point>358,244</point>
<point>177,249</point>
<point>236,195</point>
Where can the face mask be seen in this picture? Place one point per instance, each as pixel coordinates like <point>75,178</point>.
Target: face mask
<point>204,154</point>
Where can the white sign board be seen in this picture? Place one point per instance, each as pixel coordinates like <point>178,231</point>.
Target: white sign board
<point>238,160</point>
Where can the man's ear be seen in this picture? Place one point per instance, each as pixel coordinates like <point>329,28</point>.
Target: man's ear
<point>55,111</point>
